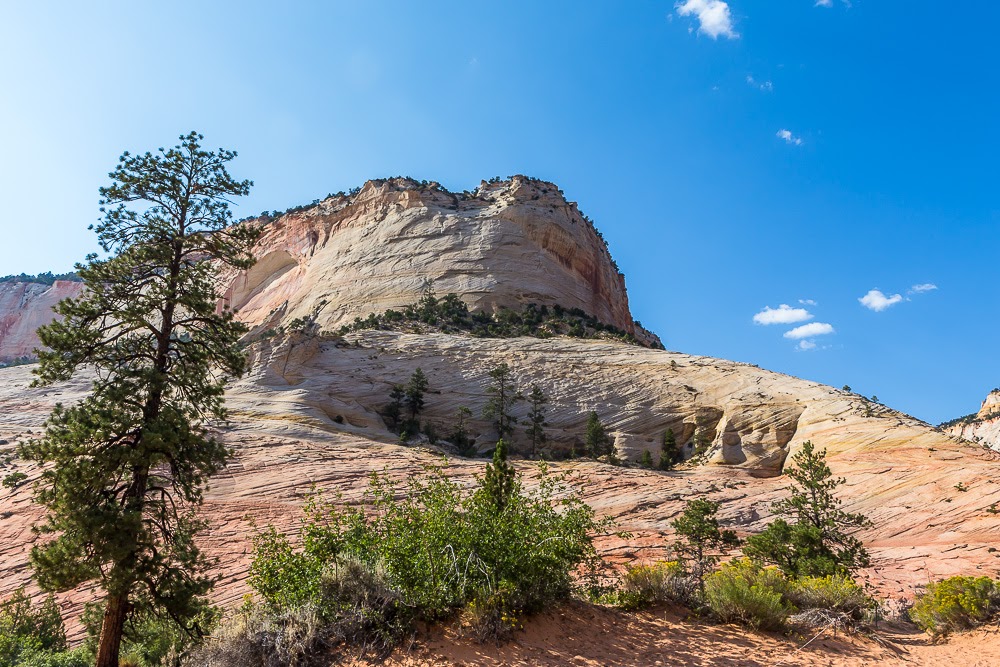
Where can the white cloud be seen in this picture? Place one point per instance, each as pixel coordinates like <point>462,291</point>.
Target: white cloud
<point>824,3</point>
<point>783,314</point>
<point>808,302</point>
<point>810,330</point>
<point>877,301</point>
<point>765,86</point>
<point>713,16</point>
<point>806,345</point>
<point>788,137</point>
<point>923,287</point>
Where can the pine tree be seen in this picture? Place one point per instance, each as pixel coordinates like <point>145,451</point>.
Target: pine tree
<point>460,436</point>
<point>415,389</point>
<point>503,394</point>
<point>596,441</point>
<point>669,452</point>
<point>393,412</point>
<point>500,481</point>
<point>646,461</point>
<point>811,536</point>
<point>536,418</point>
<point>701,543</point>
<point>125,468</point>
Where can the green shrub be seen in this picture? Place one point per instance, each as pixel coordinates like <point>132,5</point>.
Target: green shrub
<point>79,657</point>
<point>745,593</point>
<point>838,593</point>
<point>658,582</point>
<point>436,550</point>
<point>956,603</point>
<point>29,631</point>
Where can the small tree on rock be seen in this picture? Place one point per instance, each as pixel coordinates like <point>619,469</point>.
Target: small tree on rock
<point>393,412</point>
<point>813,536</point>
<point>536,418</point>
<point>460,436</point>
<point>414,394</point>
<point>596,440</point>
<point>701,543</point>
<point>503,394</point>
<point>670,453</point>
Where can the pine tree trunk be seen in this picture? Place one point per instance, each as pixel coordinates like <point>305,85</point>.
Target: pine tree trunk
<point>111,630</point>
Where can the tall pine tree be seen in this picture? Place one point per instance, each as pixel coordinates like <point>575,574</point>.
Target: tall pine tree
<point>124,469</point>
<point>536,418</point>
<point>503,393</point>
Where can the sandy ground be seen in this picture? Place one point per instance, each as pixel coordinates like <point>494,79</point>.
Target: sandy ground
<point>585,635</point>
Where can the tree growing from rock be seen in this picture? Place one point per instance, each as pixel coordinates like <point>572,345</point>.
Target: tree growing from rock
<point>503,394</point>
<point>414,394</point>
<point>596,440</point>
<point>393,411</point>
<point>670,453</point>
<point>813,536</point>
<point>536,418</point>
<point>125,468</point>
<point>460,436</point>
<point>701,543</point>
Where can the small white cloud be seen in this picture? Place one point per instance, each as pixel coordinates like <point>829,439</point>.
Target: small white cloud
<point>824,3</point>
<point>713,16</point>
<point>923,287</point>
<point>877,301</point>
<point>783,314</point>
<point>808,302</point>
<point>810,330</point>
<point>788,137</point>
<point>765,86</point>
<point>806,345</point>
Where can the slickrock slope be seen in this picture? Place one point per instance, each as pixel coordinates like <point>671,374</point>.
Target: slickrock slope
<point>23,308</point>
<point>982,427</point>
<point>509,243</point>
<point>750,417</point>
<point>288,436</point>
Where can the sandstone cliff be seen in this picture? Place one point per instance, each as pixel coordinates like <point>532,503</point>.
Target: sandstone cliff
<point>25,306</point>
<point>507,244</point>
<point>982,427</point>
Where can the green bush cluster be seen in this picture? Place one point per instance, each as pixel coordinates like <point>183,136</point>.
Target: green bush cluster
<point>46,278</point>
<point>663,581</point>
<point>449,314</point>
<point>956,603</point>
<point>744,592</point>
<point>33,635</point>
<point>497,552</point>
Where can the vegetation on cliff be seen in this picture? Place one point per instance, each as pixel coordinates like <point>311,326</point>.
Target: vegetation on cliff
<point>449,314</point>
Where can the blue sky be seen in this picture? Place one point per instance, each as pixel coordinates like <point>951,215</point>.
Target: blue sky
<point>736,155</point>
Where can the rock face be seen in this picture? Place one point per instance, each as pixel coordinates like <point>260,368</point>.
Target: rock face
<point>747,417</point>
<point>509,243</point>
<point>982,427</point>
<point>23,308</point>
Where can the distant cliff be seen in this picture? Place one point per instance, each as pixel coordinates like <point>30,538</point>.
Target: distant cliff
<point>506,244</point>
<point>983,426</point>
<point>25,306</point>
